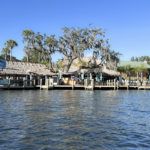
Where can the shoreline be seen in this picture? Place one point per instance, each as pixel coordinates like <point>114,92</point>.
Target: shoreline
<point>75,87</point>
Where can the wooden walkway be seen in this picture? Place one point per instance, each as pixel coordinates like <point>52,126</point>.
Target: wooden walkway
<point>75,87</point>
<point>144,87</point>
<point>18,88</point>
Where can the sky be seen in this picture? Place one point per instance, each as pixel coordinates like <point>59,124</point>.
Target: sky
<point>126,22</point>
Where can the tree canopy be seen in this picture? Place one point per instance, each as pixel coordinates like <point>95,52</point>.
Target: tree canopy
<point>75,41</point>
<point>7,50</point>
<point>73,44</point>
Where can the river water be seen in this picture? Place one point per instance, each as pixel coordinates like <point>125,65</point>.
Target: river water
<point>74,120</point>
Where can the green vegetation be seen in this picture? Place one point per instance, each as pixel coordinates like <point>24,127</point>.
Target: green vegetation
<point>39,48</point>
<point>72,44</point>
<point>141,58</point>
<point>134,69</point>
<point>7,50</point>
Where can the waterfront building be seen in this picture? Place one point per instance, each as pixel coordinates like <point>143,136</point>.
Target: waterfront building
<point>25,73</point>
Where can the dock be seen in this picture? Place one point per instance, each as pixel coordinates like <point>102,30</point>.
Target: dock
<point>75,87</point>
<point>32,76</point>
<point>49,84</point>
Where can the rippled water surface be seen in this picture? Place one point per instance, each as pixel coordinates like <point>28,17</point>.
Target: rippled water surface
<point>74,120</point>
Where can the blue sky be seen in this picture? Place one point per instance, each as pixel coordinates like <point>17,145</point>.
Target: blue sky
<point>126,22</point>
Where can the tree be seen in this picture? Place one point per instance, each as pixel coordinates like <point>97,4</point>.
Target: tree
<point>133,71</point>
<point>34,46</point>
<point>7,50</point>
<point>72,44</point>
<point>75,41</point>
<point>39,47</point>
<point>114,59</point>
<point>28,39</point>
<point>141,58</point>
<point>132,58</point>
<point>59,64</point>
<point>108,57</point>
<point>50,47</point>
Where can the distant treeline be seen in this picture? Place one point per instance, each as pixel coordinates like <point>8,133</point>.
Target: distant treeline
<point>141,58</point>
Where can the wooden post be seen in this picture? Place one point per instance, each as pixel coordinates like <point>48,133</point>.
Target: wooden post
<point>40,84</point>
<point>117,85</point>
<point>114,84</point>
<point>109,82</point>
<point>34,82</point>
<point>144,84</point>
<point>90,76</point>
<point>30,80</point>
<point>128,85</point>
<point>51,82</point>
<point>45,80</point>
<point>38,78</point>
<point>92,84</point>
<point>85,84</point>
<point>9,82</point>
<point>24,81</point>
<point>72,84</point>
<point>47,83</point>
<point>138,84</point>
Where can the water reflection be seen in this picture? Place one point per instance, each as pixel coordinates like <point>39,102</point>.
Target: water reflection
<point>74,120</point>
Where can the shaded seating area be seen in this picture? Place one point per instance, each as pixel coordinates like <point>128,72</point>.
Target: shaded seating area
<point>24,74</point>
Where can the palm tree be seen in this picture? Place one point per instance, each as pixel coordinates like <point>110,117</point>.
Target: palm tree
<point>28,39</point>
<point>114,58</point>
<point>39,46</point>
<point>9,45</point>
<point>50,47</point>
<point>5,52</point>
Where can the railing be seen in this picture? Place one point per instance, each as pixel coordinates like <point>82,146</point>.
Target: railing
<point>17,82</point>
<point>116,84</point>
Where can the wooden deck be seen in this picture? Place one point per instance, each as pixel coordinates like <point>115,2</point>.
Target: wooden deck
<point>144,88</point>
<point>75,87</point>
<point>18,88</point>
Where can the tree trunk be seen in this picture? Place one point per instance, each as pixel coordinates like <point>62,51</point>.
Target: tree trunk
<point>5,56</point>
<point>27,58</point>
<point>10,55</point>
<point>68,64</point>
<point>39,57</point>
<point>51,64</point>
